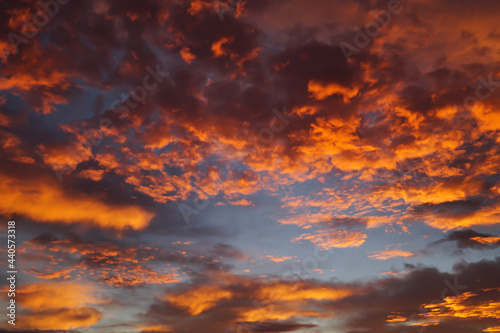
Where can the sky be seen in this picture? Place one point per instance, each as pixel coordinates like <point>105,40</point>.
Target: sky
<point>251,165</point>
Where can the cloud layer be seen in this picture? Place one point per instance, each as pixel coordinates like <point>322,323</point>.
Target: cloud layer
<point>258,166</point>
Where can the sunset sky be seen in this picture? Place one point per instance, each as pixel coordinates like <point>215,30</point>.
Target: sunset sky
<point>309,166</point>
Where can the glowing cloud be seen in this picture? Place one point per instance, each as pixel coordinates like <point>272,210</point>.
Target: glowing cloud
<point>389,254</point>
<point>40,197</point>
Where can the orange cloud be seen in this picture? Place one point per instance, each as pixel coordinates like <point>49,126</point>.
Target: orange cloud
<point>394,273</point>
<point>322,91</point>
<point>276,312</point>
<point>384,255</point>
<point>61,306</point>
<point>242,202</point>
<point>200,299</point>
<point>486,240</point>
<point>279,291</point>
<point>61,157</point>
<point>282,301</point>
<point>487,116</point>
<point>95,175</point>
<point>395,318</point>
<point>217,49</point>
<point>278,300</point>
<point>328,239</point>
<point>26,81</point>
<point>305,111</point>
<point>464,306</point>
<point>278,259</point>
<point>36,199</point>
<point>486,216</point>
<point>106,262</point>
<point>197,6</point>
<point>187,55</point>
<point>64,274</point>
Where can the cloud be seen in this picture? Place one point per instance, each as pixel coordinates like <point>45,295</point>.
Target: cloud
<point>469,238</point>
<point>108,263</point>
<point>389,304</point>
<point>227,300</point>
<point>278,259</point>
<point>389,254</point>
<point>200,299</point>
<point>273,327</point>
<point>72,310</point>
<point>39,196</point>
<point>470,305</point>
<point>328,239</point>
<point>395,304</point>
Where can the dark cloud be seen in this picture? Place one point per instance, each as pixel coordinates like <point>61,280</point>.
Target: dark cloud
<point>405,297</point>
<point>471,239</point>
<point>273,327</point>
<point>370,305</point>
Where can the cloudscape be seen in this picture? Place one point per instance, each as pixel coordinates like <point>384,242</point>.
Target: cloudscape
<point>250,166</point>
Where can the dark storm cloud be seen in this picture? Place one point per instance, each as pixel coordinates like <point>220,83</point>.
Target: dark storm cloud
<point>452,207</point>
<point>405,296</point>
<point>471,239</point>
